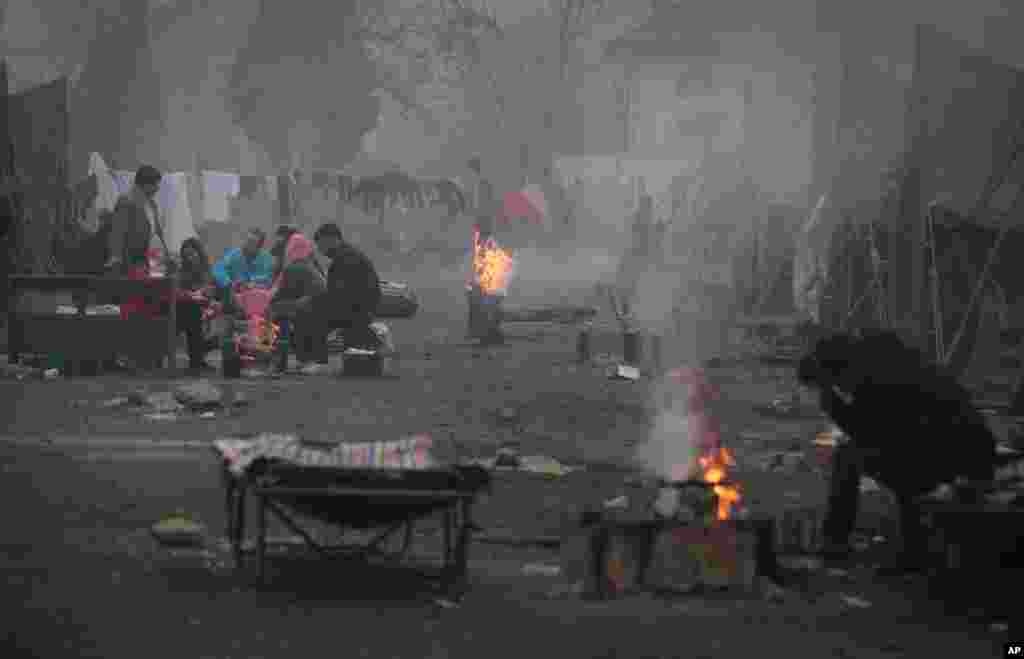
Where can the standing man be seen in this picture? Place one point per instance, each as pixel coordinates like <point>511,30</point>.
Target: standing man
<point>249,264</point>
<point>136,230</point>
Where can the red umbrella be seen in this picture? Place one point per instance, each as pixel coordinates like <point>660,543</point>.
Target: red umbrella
<point>528,202</point>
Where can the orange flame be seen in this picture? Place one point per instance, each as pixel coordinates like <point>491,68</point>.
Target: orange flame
<point>716,467</point>
<point>492,266</point>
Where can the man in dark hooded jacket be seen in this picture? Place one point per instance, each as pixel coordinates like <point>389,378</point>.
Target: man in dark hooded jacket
<point>353,290</point>
<point>911,426</point>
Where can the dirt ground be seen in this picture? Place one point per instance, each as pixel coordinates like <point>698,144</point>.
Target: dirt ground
<point>84,483</point>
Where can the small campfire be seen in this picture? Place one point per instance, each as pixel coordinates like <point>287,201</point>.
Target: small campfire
<point>492,265</point>
<point>492,271</point>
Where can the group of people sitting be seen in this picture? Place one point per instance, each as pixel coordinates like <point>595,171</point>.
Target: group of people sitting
<point>315,302</point>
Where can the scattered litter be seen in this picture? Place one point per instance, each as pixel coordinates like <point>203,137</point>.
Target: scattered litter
<point>541,570</point>
<point>208,415</point>
<point>855,602</point>
<point>445,603</point>
<point>199,395</point>
<point>507,458</point>
<point>944,492</point>
<point>624,372</point>
<point>539,464</point>
<point>163,402</point>
<point>51,373</point>
<point>179,530</point>
<point>868,484</point>
<point>770,590</point>
<point>620,503</point>
<point>161,416</point>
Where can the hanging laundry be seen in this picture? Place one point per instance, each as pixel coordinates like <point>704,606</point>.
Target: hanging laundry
<point>123,181</point>
<point>219,188</point>
<point>176,210</point>
<point>106,183</point>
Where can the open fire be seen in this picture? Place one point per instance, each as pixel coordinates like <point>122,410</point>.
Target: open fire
<point>715,465</point>
<point>492,266</point>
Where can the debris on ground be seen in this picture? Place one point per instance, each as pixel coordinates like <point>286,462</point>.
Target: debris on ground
<point>770,590</point>
<point>541,570</point>
<point>620,502</point>
<point>509,460</point>
<point>161,416</point>
<point>163,402</point>
<point>868,484</point>
<point>624,372</point>
<point>199,396</point>
<point>179,530</point>
<point>855,602</point>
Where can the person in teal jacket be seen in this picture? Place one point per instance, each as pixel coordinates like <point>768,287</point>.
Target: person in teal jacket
<point>248,264</point>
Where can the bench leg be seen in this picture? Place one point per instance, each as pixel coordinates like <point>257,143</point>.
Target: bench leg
<point>239,524</point>
<point>460,572</point>
<point>261,537</point>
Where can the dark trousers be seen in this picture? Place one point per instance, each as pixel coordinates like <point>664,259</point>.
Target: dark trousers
<point>312,325</point>
<point>190,321</point>
<point>848,465</point>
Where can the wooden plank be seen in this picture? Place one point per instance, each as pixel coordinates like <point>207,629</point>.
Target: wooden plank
<point>363,492</point>
<point>108,286</point>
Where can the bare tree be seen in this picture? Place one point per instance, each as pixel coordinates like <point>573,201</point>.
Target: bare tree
<point>305,63</point>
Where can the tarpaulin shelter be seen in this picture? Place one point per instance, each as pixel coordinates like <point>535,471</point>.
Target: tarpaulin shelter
<point>967,132</point>
<point>37,122</point>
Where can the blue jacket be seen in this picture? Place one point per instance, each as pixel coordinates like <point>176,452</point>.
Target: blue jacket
<point>234,268</point>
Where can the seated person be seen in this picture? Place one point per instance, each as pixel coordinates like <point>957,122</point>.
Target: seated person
<point>299,281</point>
<point>353,293</point>
<point>195,283</point>
<point>911,427</point>
<point>249,264</point>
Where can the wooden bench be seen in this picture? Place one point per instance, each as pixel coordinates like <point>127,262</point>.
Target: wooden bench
<point>80,338</point>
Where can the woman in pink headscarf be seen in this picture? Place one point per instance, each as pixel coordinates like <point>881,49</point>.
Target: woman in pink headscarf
<point>299,280</point>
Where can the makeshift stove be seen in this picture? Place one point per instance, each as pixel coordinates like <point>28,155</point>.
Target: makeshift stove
<point>492,271</point>
<point>671,539</point>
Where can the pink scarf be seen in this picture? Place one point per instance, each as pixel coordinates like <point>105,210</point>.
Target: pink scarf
<point>299,247</point>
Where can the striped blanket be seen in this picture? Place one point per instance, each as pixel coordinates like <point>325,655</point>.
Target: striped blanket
<point>409,453</point>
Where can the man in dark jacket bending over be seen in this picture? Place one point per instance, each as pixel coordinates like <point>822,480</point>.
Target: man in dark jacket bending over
<point>353,291</point>
<point>911,426</point>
